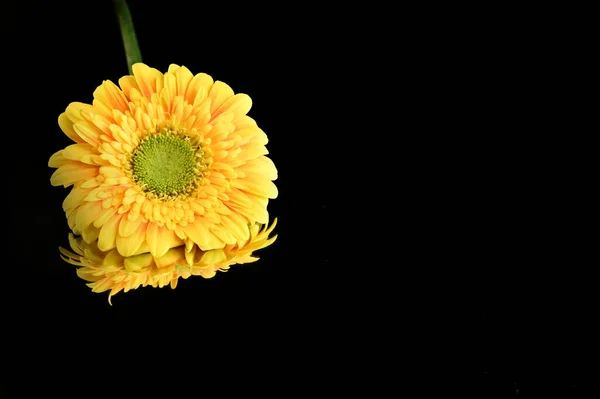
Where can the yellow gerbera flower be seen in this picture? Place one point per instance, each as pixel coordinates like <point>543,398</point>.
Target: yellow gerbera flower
<point>109,270</point>
<point>164,160</point>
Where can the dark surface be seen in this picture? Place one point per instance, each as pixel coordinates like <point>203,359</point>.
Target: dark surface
<point>459,262</point>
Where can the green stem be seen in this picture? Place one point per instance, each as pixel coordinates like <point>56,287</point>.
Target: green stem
<point>132,50</point>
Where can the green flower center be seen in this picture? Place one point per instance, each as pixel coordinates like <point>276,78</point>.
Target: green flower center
<point>166,165</point>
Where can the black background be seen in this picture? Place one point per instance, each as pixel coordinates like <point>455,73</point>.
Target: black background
<point>433,211</point>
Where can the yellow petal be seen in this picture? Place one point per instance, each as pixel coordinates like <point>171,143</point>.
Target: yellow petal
<point>75,244</point>
<point>213,257</point>
<point>128,83</point>
<point>90,233</point>
<point>197,207</point>
<point>239,105</point>
<point>219,93</point>
<point>98,193</point>
<point>87,213</point>
<point>111,95</point>
<point>161,239</point>
<point>236,224</point>
<point>57,159</point>
<point>206,271</point>
<point>90,133</point>
<point>251,151</point>
<point>108,233</point>
<point>138,262</point>
<point>173,255</point>
<point>257,214</point>
<point>267,189</point>
<point>74,198</point>
<point>66,125</point>
<point>149,80</point>
<point>241,198</point>
<point>267,231</point>
<point>189,256</point>
<point>262,166</point>
<point>127,227</point>
<point>259,211</point>
<point>198,88</point>
<point>102,123</point>
<point>91,183</point>
<point>127,246</point>
<point>71,173</point>
<point>111,171</point>
<point>71,222</point>
<point>79,112</point>
<point>173,68</point>
<point>224,235</point>
<point>199,233</point>
<point>169,90</point>
<point>102,285</point>
<point>200,115</point>
<point>76,152</point>
<point>113,259</point>
<point>184,77</point>
<point>100,108</point>
<point>104,216</point>
<point>122,136</point>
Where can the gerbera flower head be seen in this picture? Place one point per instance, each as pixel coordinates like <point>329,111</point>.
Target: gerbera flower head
<point>164,161</point>
<point>109,270</point>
